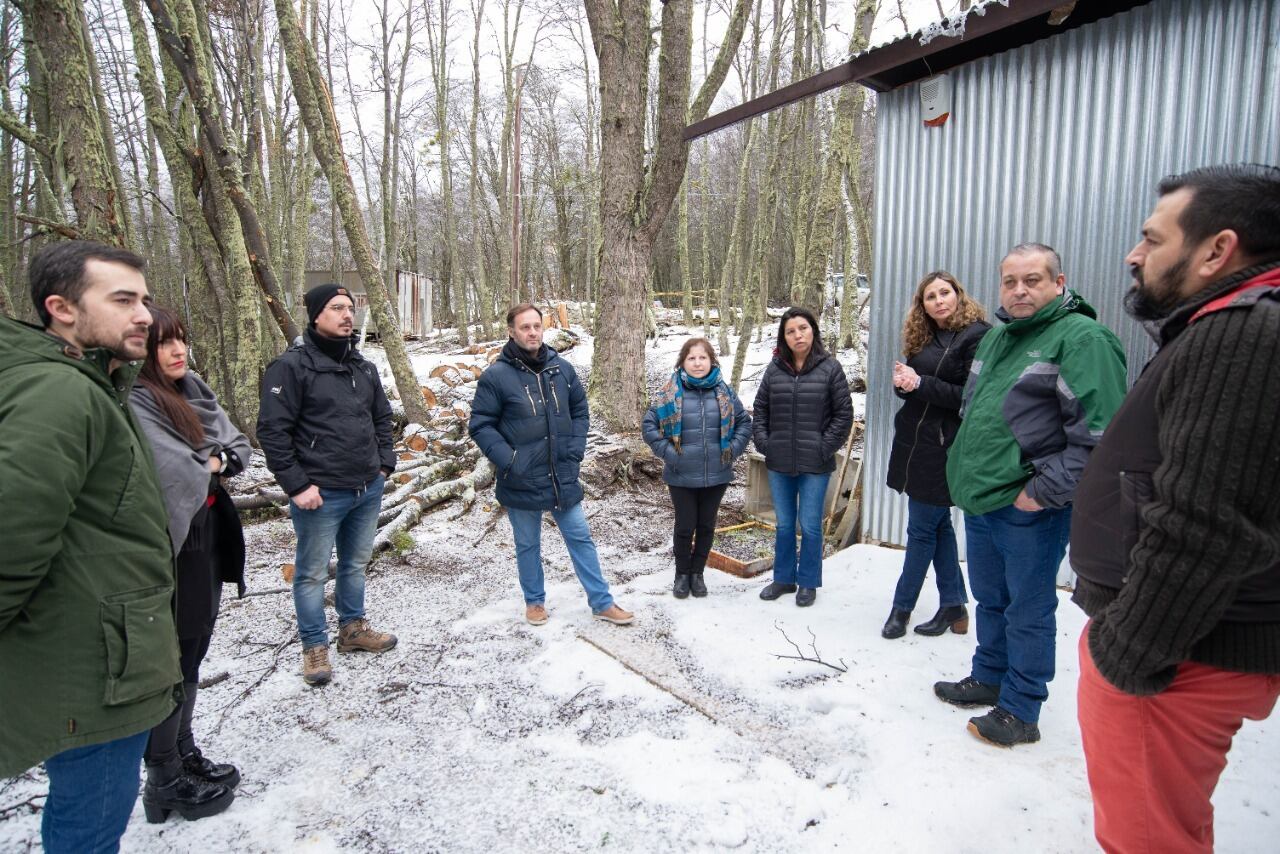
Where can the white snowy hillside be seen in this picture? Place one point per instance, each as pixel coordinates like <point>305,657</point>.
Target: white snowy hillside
<point>684,732</point>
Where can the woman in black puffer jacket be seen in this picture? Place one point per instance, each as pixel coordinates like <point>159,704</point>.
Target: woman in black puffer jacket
<point>940,336</point>
<point>802,414</point>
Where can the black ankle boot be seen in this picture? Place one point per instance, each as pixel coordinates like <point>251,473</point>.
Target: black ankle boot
<point>896,625</point>
<point>190,797</point>
<point>697,586</point>
<point>680,589</point>
<point>954,617</point>
<point>221,773</point>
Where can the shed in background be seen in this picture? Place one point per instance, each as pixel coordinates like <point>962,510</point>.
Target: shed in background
<point>1056,135</point>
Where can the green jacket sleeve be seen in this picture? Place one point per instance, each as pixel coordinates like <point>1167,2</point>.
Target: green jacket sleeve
<point>1091,386</point>
<point>46,449</point>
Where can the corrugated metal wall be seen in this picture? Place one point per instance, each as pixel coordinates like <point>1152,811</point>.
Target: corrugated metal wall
<point>1061,142</point>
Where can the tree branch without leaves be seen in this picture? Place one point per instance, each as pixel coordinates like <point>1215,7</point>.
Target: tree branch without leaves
<point>816,658</point>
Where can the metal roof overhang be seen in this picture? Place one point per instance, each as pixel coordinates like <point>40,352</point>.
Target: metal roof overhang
<point>906,60</point>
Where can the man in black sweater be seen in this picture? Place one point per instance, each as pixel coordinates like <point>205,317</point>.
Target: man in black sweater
<point>1176,532</point>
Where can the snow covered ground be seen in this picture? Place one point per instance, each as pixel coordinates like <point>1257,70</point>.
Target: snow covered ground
<point>683,732</point>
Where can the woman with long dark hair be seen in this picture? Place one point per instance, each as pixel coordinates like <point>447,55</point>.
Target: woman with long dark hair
<point>697,427</point>
<point>941,333</point>
<point>195,446</point>
<point>803,412</point>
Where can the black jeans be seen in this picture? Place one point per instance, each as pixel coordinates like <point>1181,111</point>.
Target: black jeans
<point>696,511</point>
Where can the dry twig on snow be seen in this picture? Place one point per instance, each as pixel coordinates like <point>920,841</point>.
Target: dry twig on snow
<point>813,645</point>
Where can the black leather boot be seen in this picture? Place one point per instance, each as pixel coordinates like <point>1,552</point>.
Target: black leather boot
<point>697,586</point>
<point>680,589</point>
<point>954,617</point>
<point>774,590</point>
<point>896,625</point>
<point>221,773</point>
<point>190,797</point>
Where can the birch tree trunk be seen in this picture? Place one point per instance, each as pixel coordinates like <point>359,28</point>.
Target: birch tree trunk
<point>316,109</point>
<point>811,276</point>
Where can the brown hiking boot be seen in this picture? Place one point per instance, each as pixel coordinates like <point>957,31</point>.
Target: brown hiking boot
<point>617,616</point>
<point>536,615</point>
<point>315,665</point>
<point>359,636</point>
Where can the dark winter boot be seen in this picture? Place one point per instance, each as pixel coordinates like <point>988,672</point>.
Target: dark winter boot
<point>774,590</point>
<point>680,589</point>
<point>806,596</point>
<point>697,586</point>
<point>220,773</point>
<point>954,617</point>
<point>896,625</point>
<point>967,693</point>
<point>169,789</point>
<point>1003,729</point>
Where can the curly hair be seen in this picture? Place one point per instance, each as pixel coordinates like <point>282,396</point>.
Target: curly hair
<point>919,328</point>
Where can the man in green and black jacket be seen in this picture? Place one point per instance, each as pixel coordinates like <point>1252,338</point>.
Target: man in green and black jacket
<point>88,649</point>
<point>1041,389</point>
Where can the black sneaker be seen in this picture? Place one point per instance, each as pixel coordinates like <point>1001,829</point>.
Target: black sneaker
<point>1002,729</point>
<point>967,693</point>
<point>774,590</point>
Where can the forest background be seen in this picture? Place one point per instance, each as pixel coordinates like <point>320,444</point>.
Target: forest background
<point>238,144</point>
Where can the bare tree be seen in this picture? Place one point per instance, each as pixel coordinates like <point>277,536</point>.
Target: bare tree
<point>636,191</point>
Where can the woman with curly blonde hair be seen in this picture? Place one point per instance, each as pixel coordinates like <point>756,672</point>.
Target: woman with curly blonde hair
<point>939,337</point>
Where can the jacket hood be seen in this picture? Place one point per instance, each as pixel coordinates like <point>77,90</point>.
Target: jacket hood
<point>27,344</point>
<point>1069,302</point>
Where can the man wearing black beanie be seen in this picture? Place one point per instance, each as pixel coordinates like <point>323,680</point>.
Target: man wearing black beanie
<point>1176,533</point>
<point>325,427</point>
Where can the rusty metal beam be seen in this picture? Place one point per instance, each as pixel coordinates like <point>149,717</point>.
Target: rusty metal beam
<point>873,62</point>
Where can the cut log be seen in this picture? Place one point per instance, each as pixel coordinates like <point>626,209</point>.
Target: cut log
<point>261,499</point>
<point>410,514</point>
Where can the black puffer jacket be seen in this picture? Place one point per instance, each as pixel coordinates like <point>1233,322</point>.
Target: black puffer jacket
<point>929,419</point>
<point>324,422</point>
<point>799,421</point>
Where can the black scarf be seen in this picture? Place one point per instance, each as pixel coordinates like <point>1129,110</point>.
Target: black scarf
<point>338,349</point>
<point>535,361</point>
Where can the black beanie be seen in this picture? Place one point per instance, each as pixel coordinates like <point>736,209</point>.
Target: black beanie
<point>318,297</point>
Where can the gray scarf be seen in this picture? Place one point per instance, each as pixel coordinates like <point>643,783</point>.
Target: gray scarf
<point>184,470</point>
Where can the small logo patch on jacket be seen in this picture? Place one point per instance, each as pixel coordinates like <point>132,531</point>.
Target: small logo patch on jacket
<point>276,389</point>
<point>1033,354</point>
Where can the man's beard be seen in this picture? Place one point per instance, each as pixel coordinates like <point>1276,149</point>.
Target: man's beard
<point>1157,300</point>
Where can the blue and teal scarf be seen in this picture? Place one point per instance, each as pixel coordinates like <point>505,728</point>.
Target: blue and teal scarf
<point>670,402</point>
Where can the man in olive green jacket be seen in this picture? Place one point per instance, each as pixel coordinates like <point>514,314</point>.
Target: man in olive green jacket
<point>88,649</point>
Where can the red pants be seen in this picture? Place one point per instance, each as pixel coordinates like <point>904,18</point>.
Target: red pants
<point>1154,761</point>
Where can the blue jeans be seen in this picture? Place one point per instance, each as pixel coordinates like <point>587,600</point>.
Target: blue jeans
<point>930,539</point>
<point>807,491</point>
<point>92,791</point>
<point>1013,569</point>
<point>526,526</point>
<point>348,518</point>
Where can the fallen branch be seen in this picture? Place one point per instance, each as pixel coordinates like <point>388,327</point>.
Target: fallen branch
<point>433,495</point>
<point>498,513</point>
<point>30,803</point>
<point>214,680</point>
<point>800,656</point>
<point>266,671</point>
